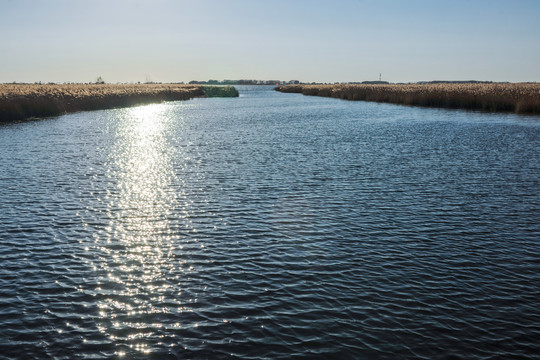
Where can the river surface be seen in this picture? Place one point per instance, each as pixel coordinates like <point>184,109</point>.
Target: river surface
<point>270,226</point>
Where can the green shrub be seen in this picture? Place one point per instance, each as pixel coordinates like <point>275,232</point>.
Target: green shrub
<point>220,91</point>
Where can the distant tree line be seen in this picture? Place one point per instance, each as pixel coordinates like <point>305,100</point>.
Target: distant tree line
<point>455,82</point>
<point>244,82</point>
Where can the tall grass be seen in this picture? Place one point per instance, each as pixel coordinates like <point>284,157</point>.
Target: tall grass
<point>520,98</point>
<point>18,102</point>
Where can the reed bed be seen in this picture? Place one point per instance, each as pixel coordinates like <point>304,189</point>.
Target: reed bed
<point>22,101</point>
<point>523,98</point>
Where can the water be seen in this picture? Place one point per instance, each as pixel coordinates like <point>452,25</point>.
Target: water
<point>272,226</point>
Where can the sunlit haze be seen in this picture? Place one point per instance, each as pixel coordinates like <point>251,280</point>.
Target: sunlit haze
<point>321,41</point>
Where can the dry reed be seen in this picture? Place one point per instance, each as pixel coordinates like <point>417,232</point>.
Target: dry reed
<point>523,98</point>
<point>22,101</point>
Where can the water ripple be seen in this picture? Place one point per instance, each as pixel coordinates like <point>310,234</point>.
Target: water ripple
<point>270,226</point>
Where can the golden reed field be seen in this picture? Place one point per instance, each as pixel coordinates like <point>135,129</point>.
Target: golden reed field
<point>22,101</point>
<point>523,98</point>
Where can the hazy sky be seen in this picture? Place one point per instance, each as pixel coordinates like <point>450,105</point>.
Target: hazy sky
<point>307,40</point>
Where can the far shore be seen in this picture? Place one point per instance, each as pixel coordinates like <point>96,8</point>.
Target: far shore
<point>521,98</point>
<point>24,101</point>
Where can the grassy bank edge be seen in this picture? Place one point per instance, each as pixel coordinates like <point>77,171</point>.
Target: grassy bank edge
<point>523,98</point>
<point>25,101</point>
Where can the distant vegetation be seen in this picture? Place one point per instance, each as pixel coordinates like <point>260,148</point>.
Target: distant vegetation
<point>99,80</point>
<point>244,82</point>
<point>520,98</point>
<point>18,102</point>
<point>220,91</point>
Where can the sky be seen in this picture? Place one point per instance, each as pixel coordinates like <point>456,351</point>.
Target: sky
<point>306,40</point>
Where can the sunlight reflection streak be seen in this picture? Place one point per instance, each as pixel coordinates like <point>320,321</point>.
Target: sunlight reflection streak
<point>136,244</point>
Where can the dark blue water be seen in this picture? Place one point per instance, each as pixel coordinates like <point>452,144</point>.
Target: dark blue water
<point>272,226</point>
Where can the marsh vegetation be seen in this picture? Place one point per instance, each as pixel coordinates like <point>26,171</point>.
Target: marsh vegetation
<point>220,91</point>
<point>23,101</point>
<point>519,98</point>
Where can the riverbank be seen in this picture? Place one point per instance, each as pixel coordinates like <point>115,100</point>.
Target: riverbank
<point>23,101</point>
<point>522,98</point>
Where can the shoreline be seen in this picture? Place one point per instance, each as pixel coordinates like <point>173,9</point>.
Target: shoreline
<point>520,98</point>
<point>24,101</point>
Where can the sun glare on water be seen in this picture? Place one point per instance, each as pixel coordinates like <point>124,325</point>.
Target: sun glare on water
<point>136,245</point>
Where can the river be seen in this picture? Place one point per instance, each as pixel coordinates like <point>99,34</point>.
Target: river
<point>270,226</point>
